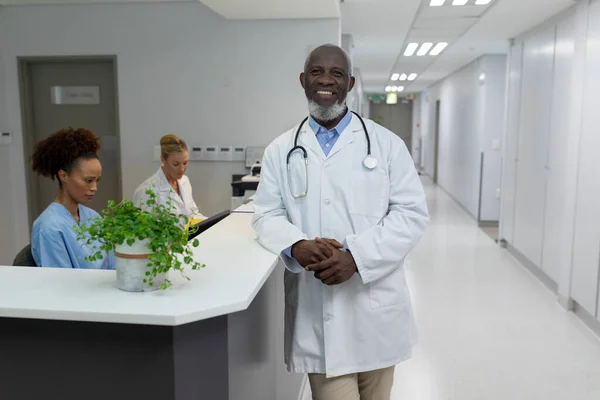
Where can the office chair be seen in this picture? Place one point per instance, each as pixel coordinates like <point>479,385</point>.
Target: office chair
<point>24,258</point>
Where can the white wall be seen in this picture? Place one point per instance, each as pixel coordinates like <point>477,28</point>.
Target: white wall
<point>586,241</point>
<point>181,68</point>
<point>6,198</point>
<point>356,98</point>
<point>471,123</point>
<point>366,107</point>
<point>494,67</point>
<point>559,180</point>
<point>416,131</point>
<point>510,142</point>
<point>425,135</point>
<point>551,186</point>
<point>534,127</point>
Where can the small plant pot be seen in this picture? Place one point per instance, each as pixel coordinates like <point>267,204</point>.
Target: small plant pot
<point>132,265</point>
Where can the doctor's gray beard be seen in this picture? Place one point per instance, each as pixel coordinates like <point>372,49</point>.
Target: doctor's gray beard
<point>326,114</point>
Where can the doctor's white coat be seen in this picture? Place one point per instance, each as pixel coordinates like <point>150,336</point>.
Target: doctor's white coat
<point>365,323</point>
<point>158,183</point>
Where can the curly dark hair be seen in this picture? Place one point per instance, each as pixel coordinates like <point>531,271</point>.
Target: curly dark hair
<point>62,149</point>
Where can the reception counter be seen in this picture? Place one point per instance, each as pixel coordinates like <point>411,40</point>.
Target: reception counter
<point>70,334</point>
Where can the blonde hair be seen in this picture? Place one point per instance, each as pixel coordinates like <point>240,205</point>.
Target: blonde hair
<point>171,144</point>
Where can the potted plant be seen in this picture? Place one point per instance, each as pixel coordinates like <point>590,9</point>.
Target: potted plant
<point>148,243</point>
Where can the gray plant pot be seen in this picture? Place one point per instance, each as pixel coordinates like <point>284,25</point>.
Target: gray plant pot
<point>132,267</point>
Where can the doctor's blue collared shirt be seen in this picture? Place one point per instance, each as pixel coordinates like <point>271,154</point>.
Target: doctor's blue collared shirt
<point>327,139</point>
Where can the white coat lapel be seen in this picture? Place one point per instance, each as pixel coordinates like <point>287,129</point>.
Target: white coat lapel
<point>186,195</point>
<point>308,139</point>
<point>347,136</point>
<point>166,191</point>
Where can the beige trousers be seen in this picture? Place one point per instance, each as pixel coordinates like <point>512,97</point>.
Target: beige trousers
<point>372,385</point>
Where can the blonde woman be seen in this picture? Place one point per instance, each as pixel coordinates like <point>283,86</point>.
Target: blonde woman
<point>170,180</point>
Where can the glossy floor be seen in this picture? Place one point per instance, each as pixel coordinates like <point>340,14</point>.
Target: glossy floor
<point>488,329</point>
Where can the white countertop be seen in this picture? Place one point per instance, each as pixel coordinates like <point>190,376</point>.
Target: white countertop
<point>245,208</point>
<point>237,267</point>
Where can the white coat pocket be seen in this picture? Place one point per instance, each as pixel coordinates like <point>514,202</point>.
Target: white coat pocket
<point>370,193</point>
<point>390,290</point>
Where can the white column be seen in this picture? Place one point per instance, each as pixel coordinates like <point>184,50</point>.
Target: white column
<point>571,149</point>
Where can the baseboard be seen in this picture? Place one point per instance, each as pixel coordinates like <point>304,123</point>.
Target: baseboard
<point>534,269</point>
<point>567,303</point>
<point>489,224</point>
<point>587,318</point>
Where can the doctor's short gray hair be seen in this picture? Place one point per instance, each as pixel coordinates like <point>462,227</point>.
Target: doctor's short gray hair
<point>331,46</point>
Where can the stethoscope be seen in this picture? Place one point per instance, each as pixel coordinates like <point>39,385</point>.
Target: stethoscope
<point>369,162</point>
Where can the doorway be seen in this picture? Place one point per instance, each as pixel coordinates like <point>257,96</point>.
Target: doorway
<point>395,117</point>
<point>72,92</point>
<point>436,143</point>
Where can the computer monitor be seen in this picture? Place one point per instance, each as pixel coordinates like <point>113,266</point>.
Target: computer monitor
<point>207,223</point>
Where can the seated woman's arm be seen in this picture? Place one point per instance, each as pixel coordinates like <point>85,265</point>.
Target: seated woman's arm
<point>51,250</point>
<point>197,215</point>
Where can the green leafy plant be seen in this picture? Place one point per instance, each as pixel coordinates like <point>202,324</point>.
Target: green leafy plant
<point>166,231</point>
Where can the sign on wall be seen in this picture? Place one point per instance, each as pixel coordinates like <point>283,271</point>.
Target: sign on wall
<point>87,95</point>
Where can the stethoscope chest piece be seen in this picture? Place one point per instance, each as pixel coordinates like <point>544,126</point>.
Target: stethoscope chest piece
<point>370,162</point>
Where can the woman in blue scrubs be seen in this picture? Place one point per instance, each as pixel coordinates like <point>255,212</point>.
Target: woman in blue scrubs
<point>70,157</point>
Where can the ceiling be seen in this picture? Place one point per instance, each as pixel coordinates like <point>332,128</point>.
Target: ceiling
<point>275,9</point>
<point>381,29</point>
<point>26,2</point>
<point>232,9</point>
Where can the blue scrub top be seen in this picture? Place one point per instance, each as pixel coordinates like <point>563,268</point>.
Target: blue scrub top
<point>54,242</point>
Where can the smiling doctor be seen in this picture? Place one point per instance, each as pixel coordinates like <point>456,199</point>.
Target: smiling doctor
<point>340,201</point>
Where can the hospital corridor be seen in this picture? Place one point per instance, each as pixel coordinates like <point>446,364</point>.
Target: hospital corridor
<point>488,329</point>
<point>300,200</point>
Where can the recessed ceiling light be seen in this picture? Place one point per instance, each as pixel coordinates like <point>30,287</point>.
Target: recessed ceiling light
<point>412,77</point>
<point>400,88</point>
<point>437,3</point>
<point>394,88</point>
<point>438,48</point>
<point>395,77</point>
<point>388,88</point>
<point>482,2</point>
<point>459,2</point>
<point>410,49</point>
<point>403,77</point>
<point>424,48</point>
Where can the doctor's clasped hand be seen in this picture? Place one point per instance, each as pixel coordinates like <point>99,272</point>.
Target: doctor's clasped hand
<point>307,252</point>
<point>324,257</point>
<point>336,269</point>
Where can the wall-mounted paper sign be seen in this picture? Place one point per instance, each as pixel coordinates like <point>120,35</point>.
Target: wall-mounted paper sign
<point>75,95</point>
